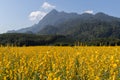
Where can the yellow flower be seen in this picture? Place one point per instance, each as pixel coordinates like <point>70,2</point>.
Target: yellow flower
<point>55,79</point>
<point>5,78</point>
<point>97,78</point>
<point>114,65</point>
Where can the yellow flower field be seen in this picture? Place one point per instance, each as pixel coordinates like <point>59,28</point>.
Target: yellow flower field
<point>59,63</point>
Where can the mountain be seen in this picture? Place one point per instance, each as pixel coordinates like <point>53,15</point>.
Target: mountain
<point>86,27</point>
<point>83,27</point>
<point>52,18</point>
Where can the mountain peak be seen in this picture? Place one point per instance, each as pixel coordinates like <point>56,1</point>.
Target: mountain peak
<point>54,11</point>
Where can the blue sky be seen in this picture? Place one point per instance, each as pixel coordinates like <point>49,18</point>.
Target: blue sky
<point>17,14</point>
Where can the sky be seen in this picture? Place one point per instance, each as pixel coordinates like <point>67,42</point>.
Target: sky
<point>17,14</point>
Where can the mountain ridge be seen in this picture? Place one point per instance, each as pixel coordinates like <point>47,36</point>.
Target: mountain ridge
<point>54,14</point>
<point>82,27</point>
<point>58,28</point>
<point>55,18</point>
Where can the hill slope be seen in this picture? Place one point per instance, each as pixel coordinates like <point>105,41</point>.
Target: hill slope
<point>52,18</point>
<point>85,27</point>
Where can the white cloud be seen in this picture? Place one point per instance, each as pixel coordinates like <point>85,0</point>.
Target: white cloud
<point>46,5</point>
<point>89,11</point>
<point>39,14</point>
<point>36,15</point>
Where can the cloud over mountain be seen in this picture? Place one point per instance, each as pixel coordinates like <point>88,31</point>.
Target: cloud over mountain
<point>36,15</point>
<point>47,5</point>
<point>39,14</point>
<point>89,11</point>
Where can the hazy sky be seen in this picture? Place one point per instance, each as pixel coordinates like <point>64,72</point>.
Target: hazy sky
<point>16,14</point>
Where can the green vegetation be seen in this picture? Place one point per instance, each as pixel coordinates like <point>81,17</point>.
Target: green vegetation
<point>15,39</point>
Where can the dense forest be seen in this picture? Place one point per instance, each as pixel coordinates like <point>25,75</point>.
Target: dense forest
<point>16,39</point>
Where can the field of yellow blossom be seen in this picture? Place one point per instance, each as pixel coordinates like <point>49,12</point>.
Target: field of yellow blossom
<point>60,63</point>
